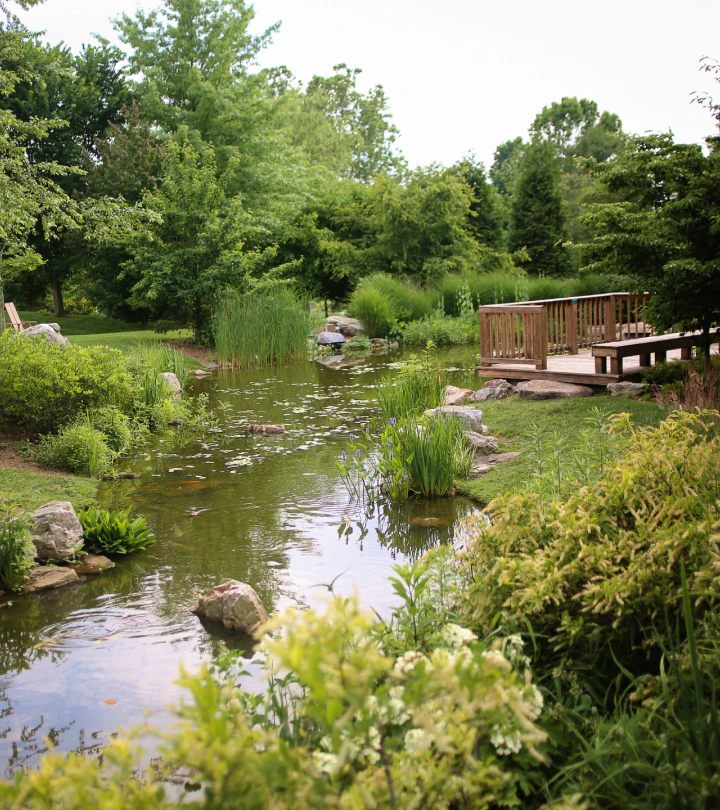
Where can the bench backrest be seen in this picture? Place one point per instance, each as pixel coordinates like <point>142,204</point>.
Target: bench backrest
<point>15,321</point>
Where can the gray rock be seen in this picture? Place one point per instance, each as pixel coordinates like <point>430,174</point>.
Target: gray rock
<point>173,382</point>
<point>493,390</point>
<point>456,396</point>
<point>56,531</point>
<point>349,327</point>
<point>200,374</point>
<point>211,366</point>
<point>47,331</point>
<point>335,361</point>
<point>45,577</point>
<point>622,389</point>
<point>547,389</point>
<point>485,444</point>
<point>92,564</point>
<point>55,326</point>
<point>330,339</point>
<point>469,417</point>
<point>235,604</point>
<point>484,464</point>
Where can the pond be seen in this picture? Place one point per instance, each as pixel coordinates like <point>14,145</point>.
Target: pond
<point>81,662</point>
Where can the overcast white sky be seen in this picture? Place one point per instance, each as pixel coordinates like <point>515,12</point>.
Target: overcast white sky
<point>465,75</point>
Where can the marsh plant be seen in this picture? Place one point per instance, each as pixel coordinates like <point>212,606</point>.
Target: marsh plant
<point>17,552</point>
<point>261,328</point>
<point>418,386</point>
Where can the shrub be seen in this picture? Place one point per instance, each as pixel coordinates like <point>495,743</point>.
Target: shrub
<point>77,448</point>
<point>114,532</point>
<point>45,386</point>
<point>409,301</point>
<point>17,552</point>
<point>114,425</point>
<point>374,309</point>
<point>359,345</point>
<point>441,330</point>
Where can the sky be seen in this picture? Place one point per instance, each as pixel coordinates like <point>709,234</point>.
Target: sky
<point>463,76</point>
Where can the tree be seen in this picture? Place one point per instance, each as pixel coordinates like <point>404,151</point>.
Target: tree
<point>504,166</point>
<point>195,249</point>
<point>667,229</point>
<point>486,215</point>
<point>537,215</point>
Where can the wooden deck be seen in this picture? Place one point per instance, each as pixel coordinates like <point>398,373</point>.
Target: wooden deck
<point>570,368</point>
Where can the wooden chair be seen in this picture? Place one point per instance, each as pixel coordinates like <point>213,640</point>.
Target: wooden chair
<point>15,321</point>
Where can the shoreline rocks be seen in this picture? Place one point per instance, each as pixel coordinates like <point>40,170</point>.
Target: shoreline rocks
<point>173,382</point>
<point>334,339</point>
<point>56,531</point>
<point>455,395</point>
<point>91,564</point>
<point>348,327</point>
<point>493,390</point>
<point>622,389</point>
<point>234,604</point>
<point>45,577</point>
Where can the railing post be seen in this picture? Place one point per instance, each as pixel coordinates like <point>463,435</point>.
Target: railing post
<point>483,339</point>
<point>571,325</point>
<point>541,338</point>
<point>610,325</point>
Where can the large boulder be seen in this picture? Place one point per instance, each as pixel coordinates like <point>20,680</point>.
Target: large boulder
<point>492,390</point>
<point>349,327</point>
<point>330,339</point>
<point>46,577</point>
<point>622,389</point>
<point>56,531</point>
<point>172,382</point>
<point>47,331</point>
<point>235,604</point>
<point>456,396</point>
<point>470,418</point>
<point>547,389</point>
<point>482,443</point>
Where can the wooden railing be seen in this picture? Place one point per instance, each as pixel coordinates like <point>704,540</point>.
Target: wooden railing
<point>527,332</point>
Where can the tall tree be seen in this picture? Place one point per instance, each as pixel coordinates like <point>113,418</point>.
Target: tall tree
<point>537,217</point>
<point>504,166</point>
<point>486,215</point>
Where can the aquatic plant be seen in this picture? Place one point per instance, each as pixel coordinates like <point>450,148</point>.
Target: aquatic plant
<point>156,357</point>
<point>359,345</point>
<point>418,386</point>
<point>17,552</point>
<point>108,532</point>
<point>260,328</point>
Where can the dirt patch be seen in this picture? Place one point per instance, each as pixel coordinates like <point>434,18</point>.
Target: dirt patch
<point>10,456</point>
<point>199,353</point>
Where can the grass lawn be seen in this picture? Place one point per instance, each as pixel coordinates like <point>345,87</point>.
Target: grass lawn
<point>83,324</point>
<point>34,489</point>
<point>125,341</point>
<point>512,419</point>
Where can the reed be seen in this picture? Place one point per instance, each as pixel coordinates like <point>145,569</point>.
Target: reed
<point>154,358</point>
<point>261,328</point>
<point>418,386</point>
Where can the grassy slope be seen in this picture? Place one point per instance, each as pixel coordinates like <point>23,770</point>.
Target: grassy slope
<point>34,489</point>
<point>511,419</point>
<point>125,341</point>
<point>82,324</point>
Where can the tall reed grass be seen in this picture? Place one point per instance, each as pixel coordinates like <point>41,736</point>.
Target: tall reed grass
<point>155,358</point>
<point>418,386</point>
<point>261,328</point>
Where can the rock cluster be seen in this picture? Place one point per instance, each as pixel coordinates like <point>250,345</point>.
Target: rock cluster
<point>492,390</point>
<point>547,389</point>
<point>334,339</point>
<point>622,389</point>
<point>234,604</point>
<point>456,396</point>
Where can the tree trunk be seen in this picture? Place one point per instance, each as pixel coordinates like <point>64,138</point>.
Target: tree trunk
<point>326,309</point>
<point>58,303</point>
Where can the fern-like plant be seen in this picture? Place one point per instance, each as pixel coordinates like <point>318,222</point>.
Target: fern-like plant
<point>114,532</point>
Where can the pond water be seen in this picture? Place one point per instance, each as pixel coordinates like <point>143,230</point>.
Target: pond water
<point>81,662</point>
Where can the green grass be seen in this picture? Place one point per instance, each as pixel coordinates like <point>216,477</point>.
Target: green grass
<point>82,324</point>
<point>512,420</point>
<point>34,489</point>
<point>127,341</point>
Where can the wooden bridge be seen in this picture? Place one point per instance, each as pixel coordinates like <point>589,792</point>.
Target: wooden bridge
<point>553,339</point>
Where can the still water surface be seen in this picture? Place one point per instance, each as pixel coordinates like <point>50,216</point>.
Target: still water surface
<point>81,662</point>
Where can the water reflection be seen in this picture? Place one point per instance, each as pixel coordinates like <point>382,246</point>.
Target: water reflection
<point>77,663</point>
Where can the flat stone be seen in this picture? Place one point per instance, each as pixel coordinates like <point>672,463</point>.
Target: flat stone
<point>47,331</point>
<point>235,604</point>
<point>548,389</point>
<point>622,389</point>
<point>349,327</point>
<point>45,577</point>
<point>469,417</point>
<point>56,531</point>
<point>486,444</point>
<point>173,382</point>
<point>456,396</point>
<point>92,564</point>
<point>330,339</point>
<point>266,430</point>
<point>484,464</point>
<point>336,361</point>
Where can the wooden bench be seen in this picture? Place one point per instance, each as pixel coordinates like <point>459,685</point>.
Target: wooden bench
<point>659,345</point>
<point>15,321</point>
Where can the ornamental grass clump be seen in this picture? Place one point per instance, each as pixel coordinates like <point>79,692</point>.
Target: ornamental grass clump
<point>418,386</point>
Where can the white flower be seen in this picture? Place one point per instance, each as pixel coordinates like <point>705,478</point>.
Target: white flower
<point>327,763</point>
<point>533,701</point>
<point>417,741</point>
<point>496,658</point>
<point>456,636</point>
<point>406,663</point>
<point>504,743</point>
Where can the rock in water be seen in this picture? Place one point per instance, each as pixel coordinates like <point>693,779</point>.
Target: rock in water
<point>235,604</point>
<point>330,339</point>
<point>622,389</point>
<point>456,396</point>
<point>493,389</point>
<point>266,430</point>
<point>469,417</point>
<point>173,382</point>
<point>48,331</point>
<point>349,327</point>
<point>56,531</point>
<point>45,577</point>
<point>92,564</point>
<point>547,389</point>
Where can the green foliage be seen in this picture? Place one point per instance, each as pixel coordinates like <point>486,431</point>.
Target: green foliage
<point>115,426</point>
<point>374,309</point>
<point>156,357</point>
<point>78,447</point>
<point>441,330</point>
<point>261,328</point>
<point>538,219</point>
<point>34,489</point>
<point>418,386</point>
<point>358,345</point>
<point>666,373</point>
<point>17,552</point>
<point>114,532</point>
<point>45,386</point>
